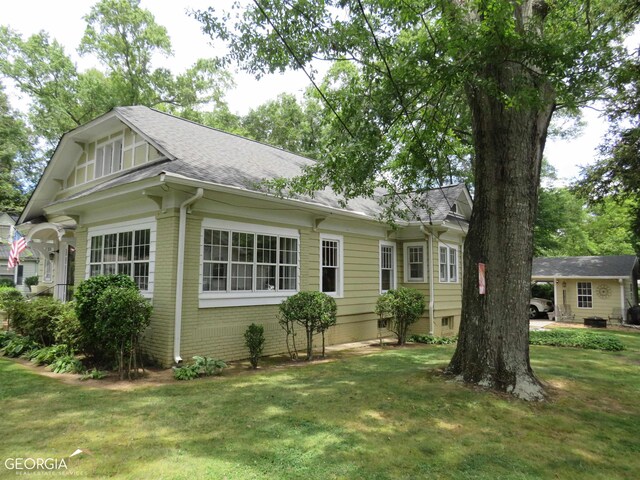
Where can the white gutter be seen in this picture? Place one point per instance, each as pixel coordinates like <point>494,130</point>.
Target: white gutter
<point>177,335</point>
<point>432,300</point>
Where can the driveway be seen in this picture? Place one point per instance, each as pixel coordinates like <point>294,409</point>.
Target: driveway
<point>539,324</point>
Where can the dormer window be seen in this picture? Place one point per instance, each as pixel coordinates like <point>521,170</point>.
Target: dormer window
<point>108,158</point>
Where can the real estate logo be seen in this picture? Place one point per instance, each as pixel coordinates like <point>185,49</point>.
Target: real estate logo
<point>41,465</point>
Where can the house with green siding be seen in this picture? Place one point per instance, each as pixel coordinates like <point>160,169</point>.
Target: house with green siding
<point>178,207</point>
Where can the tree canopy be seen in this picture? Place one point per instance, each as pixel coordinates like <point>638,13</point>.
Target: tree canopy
<point>422,87</point>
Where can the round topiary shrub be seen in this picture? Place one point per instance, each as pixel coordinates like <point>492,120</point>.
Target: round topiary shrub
<point>314,311</point>
<point>403,306</point>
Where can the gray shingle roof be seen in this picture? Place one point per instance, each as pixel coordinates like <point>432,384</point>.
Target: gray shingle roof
<point>206,154</point>
<point>607,266</point>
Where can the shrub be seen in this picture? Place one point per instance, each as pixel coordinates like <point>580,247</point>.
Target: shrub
<point>403,306</point>
<point>188,372</point>
<point>36,319</point>
<point>31,281</point>
<point>431,340</point>
<point>204,366</point>
<point>48,355</point>
<point>254,340</point>
<point>315,311</point>
<point>10,298</point>
<point>67,329</point>
<point>17,346</point>
<point>576,338</point>
<point>86,306</point>
<point>6,282</point>
<point>93,374</point>
<point>122,316</point>
<point>67,364</point>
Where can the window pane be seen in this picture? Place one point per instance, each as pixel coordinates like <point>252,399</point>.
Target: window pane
<point>124,246</point>
<point>124,268</point>
<point>214,277</point>
<point>109,269</point>
<point>96,249</point>
<point>99,162</point>
<point>141,275</point>
<point>267,249</point>
<point>110,247</point>
<point>142,244</point>
<point>242,247</point>
<point>443,264</point>
<point>241,277</point>
<point>288,278</point>
<point>329,279</point>
<point>94,270</point>
<point>385,279</point>
<point>108,158</point>
<point>266,277</point>
<point>453,265</point>
<point>330,253</point>
<point>117,155</point>
<point>415,259</point>
<point>289,251</point>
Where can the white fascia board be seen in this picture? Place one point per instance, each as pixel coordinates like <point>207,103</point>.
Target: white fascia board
<point>182,180</point>
<point>578,277</point>
<point>61,206</point>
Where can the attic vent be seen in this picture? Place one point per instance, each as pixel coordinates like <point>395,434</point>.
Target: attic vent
<point>454,208</point>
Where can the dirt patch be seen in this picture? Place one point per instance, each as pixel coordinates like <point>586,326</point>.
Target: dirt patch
<point>154,377</point>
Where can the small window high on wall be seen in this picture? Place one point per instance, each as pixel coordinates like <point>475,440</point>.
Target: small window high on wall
<point>108,158</point>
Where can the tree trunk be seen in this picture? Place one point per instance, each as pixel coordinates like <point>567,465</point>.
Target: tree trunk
<point>493,344</point>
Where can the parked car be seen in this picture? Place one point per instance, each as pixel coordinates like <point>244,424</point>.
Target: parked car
<point>538,306</point>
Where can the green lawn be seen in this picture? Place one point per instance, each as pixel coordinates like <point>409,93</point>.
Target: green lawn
<point>386,415</point>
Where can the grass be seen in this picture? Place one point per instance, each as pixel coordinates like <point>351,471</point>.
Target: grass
<point>386,415</point>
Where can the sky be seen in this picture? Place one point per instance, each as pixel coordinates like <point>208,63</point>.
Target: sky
<point>62,19</point>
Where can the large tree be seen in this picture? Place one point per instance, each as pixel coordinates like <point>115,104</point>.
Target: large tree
<point>433,78</point>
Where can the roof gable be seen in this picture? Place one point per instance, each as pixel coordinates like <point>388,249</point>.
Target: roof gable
<point>188,150</point>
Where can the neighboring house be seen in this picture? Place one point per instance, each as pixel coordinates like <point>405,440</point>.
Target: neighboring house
<point>176,206</point>
<point>591,286</point>
<point>28,258</point>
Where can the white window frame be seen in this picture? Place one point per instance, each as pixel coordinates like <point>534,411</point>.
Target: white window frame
<point>584,295</point>
<point>394,266</point>
<point>111,142</point>
<point>339,293</point>
<point>447,278</point>
<point>425,262</point>
<point>237,298</point>
<point>148,223</point>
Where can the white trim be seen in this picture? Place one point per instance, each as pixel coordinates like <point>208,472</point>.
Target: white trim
<point>407,278</point>
<point>623,310</point>
<point>339,293</point>
<point>249,228</point>
<point>449,247</point>
<point>394,266</point>
<point>131,225</point>
<point>578,295</point>
<point>211,299</point>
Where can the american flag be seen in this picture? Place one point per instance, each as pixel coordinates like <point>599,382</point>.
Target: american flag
<point>18,244</point>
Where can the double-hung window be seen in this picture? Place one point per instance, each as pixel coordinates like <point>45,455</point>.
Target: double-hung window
<point>127,248</point>
<point>448,263</point>
<point>585,295</point>
<point>331,264</point>
<point>241,261</point>
<point>387,266</point>
<point>415,262</point>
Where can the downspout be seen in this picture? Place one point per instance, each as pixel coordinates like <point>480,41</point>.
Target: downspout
<point>623,312</point>
<point>555,299</point>
<point>432,301</point>
<point>182,229</point>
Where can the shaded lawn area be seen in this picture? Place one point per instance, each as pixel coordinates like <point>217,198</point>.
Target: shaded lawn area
<point>386,415</point>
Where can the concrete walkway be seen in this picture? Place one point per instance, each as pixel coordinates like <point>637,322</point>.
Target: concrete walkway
<point>539,324</point>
